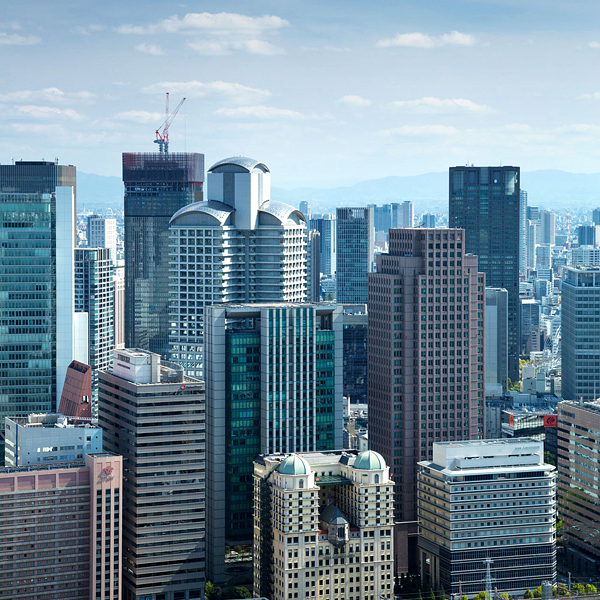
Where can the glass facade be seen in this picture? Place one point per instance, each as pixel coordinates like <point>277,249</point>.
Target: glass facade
<point>157,185</point>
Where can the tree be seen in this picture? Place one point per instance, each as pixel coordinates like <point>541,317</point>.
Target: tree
<point>211,591</point>
<point>237,592</point>
<point>578,587</point>
<point>590,589</point>
<point>480,596</point>
<point>504,596</point>
<point>527,594</point>
<point>464,598</point>
<point>537,593</point>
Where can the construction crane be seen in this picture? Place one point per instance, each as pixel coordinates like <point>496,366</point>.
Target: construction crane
<point>162,133</point>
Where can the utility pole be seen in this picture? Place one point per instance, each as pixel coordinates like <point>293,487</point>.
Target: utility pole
<point>488,578</point>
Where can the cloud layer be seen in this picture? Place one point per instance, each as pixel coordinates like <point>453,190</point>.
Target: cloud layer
<point>215,89</point>
<point>437,105</point>
<point>424,40</point>
<point>354,101</point>
<point>15,39</point>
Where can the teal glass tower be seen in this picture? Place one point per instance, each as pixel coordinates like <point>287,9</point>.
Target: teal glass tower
<point>273,385</point>
<point>37,225</point>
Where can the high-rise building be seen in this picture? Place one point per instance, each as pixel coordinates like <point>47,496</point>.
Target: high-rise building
<point>323,526</point>
<point>76,399</point>
<point>585,256</point>
<point>543,256</point>
<point>496,339</point>
<point>355,252</point>
<point>578,502</point>
<point>530,321</point>
<point>313,266</point>
<point>94,295</point>
<point>239,246</point>
<point>273,385</point>
<point>408,214</point>
<point>485,202</point>
<point>461,529</point>
<point>102,233</point>
<point>523,231</point>
<point>305,209</point>
<point>548,227</point>
<point>37,241</point>
<point>580,333</point>
<point>153,415</point>
<point>157,185</point>
<point>60,529</point>
<point>119,308</point>
<point>532,230</point>
<point>588,235</point>
<point>596,216</point>
<point>425,357</point>
<point>428,221</point>
<point>326,226</point>
<point>356,321</point>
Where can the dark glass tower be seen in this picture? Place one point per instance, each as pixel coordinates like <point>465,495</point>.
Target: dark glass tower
<point>36,286</point>
<point>484,201</point>
<point>157,185</point>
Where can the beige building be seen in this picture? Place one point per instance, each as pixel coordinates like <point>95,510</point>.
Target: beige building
<point>60,530</point>
<point>323,526</point>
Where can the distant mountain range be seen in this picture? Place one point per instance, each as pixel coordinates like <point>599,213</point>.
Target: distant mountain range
<point>549,189</point>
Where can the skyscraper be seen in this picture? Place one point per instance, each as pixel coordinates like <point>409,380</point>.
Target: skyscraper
<point>326,226</point>
<point>313,266</point>
<point>548,224</point>
<point>102,233</point>
<point>37,241</point>
<point>356,322</point>
<point>425,357</point>
<point>580,329</point>
<point>305,209</point>
<point>428,221</point>
<point>355,251</point>
<point>273,385</point>
<point>496,339</point>
<point>523,231</point>
<point>596,216</point>
<point>408,214</point>
<point>157,185</point>
<point>153,415</point>
<point>239,246</point>
<point>486,203</point>
<point>94,295</point>
<point>587,235</point>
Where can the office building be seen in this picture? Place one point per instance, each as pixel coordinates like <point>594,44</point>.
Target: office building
<point>94,295</point>
<point>425,358</point>
<point>532,230</point>
<point>37,241</point>
<point>102,233</point>
<point>355,252</point>
<point>548,227</point>
<point>60,530</point>
<point>157,185</point>
<point>485,202</point>
<point>76,398</point>
<point>596,216</point>
<point>496,339</point>
<point>523,231</point>
<point>313,266</point>
<point>585,256</point>
<point>273,385</point>
<point>580,333</point>
<point>305,209</point>
<point>339,543</point>
<point>356,321</point>
<point>154,416</point>
<point>587,235</point>
<point>578,502</point>
<point>326,226</point>
<point>488,500</point>
<point>543,256</point>
<point>119,308</point>
<point>535,423</point>
<point>530,322</point>
<point>39,439</point>
<point>428,221</point>
<point>239,246</point>
<point>408,214</point>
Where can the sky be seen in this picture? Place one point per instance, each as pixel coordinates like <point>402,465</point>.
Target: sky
<point>326,93</point>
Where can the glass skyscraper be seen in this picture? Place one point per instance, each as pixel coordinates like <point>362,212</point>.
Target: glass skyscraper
<point>37,227</point>
<point>157,185</point>
<point>486,203</point>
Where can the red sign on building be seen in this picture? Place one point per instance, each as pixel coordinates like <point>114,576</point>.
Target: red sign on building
<point>550,421</point>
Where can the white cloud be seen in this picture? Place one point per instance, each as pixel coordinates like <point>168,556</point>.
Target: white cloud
<point>430,104</point>
<point>218,47</point>
<point>152,49</point>
<point>577,128</point>
<point>14,39</point>
<point>421,130</point>
<point>48,112</point>
<point>592,96</point>
<point>594,45</point>
<point>354,101</point>
<point>51,94</point>
<point>139,116</point>
<point>219,23</point>
<point>262,113</point>
<point>215,89</point>
<point>88,29</point>
<point>424,40</point>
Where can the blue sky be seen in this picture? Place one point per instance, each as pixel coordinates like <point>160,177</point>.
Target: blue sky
<point>325,93</point>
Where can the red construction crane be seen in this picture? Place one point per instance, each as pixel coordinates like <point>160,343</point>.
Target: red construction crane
<point>162,133</point>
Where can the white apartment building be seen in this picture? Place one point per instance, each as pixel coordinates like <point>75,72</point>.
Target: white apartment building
<point>238,246</point>
<point>102,233</point>
<point>487,499</point>
<point>323,526</point>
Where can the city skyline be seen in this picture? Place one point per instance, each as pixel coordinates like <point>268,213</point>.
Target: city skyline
<point>271,79</point>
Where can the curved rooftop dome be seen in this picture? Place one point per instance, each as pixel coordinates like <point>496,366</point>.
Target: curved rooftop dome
<point>249,164</point>
<point>281,211</point>
<point>294,465</point>
<point>369,460</point>
<point>217,210</point>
